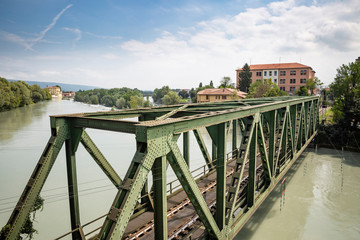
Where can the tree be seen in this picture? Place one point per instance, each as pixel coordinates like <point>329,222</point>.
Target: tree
<point>302,91</point>
<point>265,88</point>
<point>346,93</point>
<point>158,94</point>
<point>245,78</point>
<point>211,83</point>
<point>120,103</point>
<point>312,83</point>
<point>171,98</point>
<point>184,94</point>
<point>226,83</point>
<point>200,84</point>
<point>136,101</point>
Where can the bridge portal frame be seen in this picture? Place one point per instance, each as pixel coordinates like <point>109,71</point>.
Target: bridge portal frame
<point>276,129</point>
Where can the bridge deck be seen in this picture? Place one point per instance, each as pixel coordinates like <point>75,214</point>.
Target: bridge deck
<point>184,217</point>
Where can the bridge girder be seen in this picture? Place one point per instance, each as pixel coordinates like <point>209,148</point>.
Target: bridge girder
<point>273,130</point>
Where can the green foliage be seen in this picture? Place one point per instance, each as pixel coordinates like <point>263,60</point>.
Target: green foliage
<point>158,94</point>
<point>226,83</point>
<point>346,93</point>
<point>265,88</point>
<point>27,231</point>
<point>200,85</point>
<point>184,94</point>
<point>312,83</point>
<point>136,101</point>
<point>211,83</point>
<point>302,91</point>
<point>19,94</point>
<point>245,79</point>
<point>171,98</point>
<point>119,97</point>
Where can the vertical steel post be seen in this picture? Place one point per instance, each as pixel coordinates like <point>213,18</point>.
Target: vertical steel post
<point>72,188</point>
<point>160,199</point>
<point>186,147</point>
<point>214,153</point>
<point>252,167</point>
<point>221,176</point>
<point>272,125</point>
<point>234,137</point>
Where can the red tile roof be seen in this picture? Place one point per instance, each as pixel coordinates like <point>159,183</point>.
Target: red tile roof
<point>276,66</point>
<point>221,91</point>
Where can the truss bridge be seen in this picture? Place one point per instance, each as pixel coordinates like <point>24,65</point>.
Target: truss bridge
<point>214,201</point>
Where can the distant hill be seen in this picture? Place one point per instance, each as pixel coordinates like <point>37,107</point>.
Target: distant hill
<point>64,86</point>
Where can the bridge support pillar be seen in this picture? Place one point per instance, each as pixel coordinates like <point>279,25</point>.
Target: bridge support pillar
<point>70,148</point>
<point>160,198</point>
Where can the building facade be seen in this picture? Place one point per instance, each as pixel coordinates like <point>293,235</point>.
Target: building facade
<point>288,76</point>
<point>219,94</point>
<point>54,91</point>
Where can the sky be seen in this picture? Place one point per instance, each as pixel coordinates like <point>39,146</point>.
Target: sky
<point>148,44</point>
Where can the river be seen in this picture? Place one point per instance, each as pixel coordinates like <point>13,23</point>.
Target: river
<point>321,199</point>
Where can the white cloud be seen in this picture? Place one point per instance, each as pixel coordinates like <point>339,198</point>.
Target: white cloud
<point>322,35</point>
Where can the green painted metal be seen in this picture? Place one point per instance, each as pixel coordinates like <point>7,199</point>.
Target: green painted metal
<point>160,199</point>
<point>72,188</point>
<point>60,132</point>
<point>273,133</point>
<point>100,159</point>
<point>203,148</point>
<point>186,147</point>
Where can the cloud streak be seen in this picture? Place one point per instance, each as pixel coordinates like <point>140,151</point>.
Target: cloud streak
<point>77,32</point>
<point>30,43</point>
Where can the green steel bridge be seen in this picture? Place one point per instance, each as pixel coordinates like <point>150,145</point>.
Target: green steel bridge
<point>267,135</point>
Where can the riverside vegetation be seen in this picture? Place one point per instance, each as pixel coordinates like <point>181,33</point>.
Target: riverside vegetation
<point>19,93</point>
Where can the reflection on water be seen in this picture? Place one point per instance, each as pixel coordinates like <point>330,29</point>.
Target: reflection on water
<point>322,200</point>
<point>14,120</point>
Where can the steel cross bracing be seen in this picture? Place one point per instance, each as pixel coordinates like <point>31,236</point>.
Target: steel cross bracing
<point>273,132</point>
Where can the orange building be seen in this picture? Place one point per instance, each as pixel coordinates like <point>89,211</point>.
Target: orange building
<point>219,94</point>
<point>55,91</point>
<point>288,76</point>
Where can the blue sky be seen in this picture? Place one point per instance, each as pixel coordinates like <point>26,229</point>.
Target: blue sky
<point>148,44</point>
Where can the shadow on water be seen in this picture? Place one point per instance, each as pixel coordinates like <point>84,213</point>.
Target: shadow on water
<point>16,119</point>
<point>265,211</point>
<point>348,157</point>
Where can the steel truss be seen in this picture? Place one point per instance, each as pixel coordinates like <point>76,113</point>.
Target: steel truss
<point>273,133</point>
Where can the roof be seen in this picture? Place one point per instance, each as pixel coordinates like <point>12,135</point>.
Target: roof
<point>221,91</point>
<point>276,66</point>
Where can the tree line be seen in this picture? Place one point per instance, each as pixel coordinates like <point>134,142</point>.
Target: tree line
<point>19,94</point>
<point>115,97</point>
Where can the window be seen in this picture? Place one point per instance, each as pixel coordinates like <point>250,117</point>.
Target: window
<point>302,80</point>
<point>258,74</point>
<point>292,89</point>
<point>282,81</point>
<point>223,97</point>
<point>293,72</point>
<point>275,73</point>
<point>265,73</point>
<point>207,97</point>
<point>282,88</point>
<point>302,72</point>
<point>275,80</point>
<point>292,80</point>
<point>282,73</point>
<point>270,73</point>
